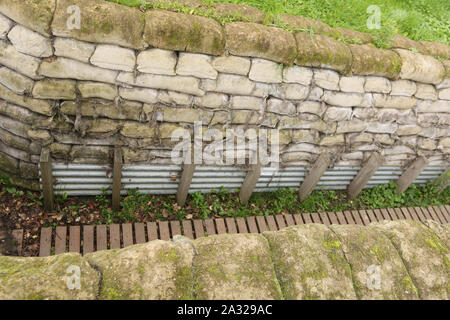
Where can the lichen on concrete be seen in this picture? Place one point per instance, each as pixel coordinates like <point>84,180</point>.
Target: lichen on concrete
<point>157,270</point>
<point>376,265</point>
<point>47,278</point>
<point>310,263</point>
<point>235,267</point>
<point>424,254</point>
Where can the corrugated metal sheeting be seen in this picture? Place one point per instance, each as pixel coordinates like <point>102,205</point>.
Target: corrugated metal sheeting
<point>80,179</point>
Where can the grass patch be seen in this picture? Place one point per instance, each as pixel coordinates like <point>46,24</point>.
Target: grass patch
<point>26,207</point>
<point>415,19</point>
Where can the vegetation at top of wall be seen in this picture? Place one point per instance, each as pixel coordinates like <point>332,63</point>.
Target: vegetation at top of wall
<point>420,20</point>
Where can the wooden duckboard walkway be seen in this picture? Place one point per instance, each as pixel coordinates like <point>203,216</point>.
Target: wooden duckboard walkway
<point>88,238</point>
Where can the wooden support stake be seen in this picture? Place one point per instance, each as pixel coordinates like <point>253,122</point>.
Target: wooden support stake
<point>364,175</point>
<point>444,180</point>
<point>117,179</point>
<point>47,179</point>
<point>411,173</point>
<point>249,183</point>
<point>185,183</point>
<point>313,176</point>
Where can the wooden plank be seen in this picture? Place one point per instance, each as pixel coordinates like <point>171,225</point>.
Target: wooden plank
<point>325,219</point>
<point>198,227</point>
<point>333,218</point>
<point>220,226</point>
<point>209,225</point>
<point>341,218</point>
<point>271,223</point>
<point>289,220</point>
<point>441,214</point>
<point>114,236</point>
<point>413,214</point>
<point>411,173</point>
<point>185,183</point>
<point>432,214</point>
<point>298,219</point>
<point>252,227</point>
<point>175,227</point>
<point>187,229</point>
<point>45,164</point>
<point>378,214</point>
<point>315,218</point>
<point>45,242</point>
<point>364,217</point>
<point>139,232</point>
<point>18,238</point>
<point>152,231</point>
<point>447,207</point>
<point>445,213</point>
<point>425,213</point>
<point>313,176</point>
<point>231,226</point>
<point>371,216</point>
<point>280,221</point>
<point>249,183</point>
<point>356,217</point>
<point>420,214</point>
<point>400,213</point>
<point>392,213</point>
<point>74,239</point>
<point>307,217</point>
<point>60,240</point>
<point>102,237</point>
<point>406,214</point>
<point>438,214</point>
<point>349,217</point>
<point>261,222</point>
<point>365,173</point>
<point>242,227</point>
<point>127,234</point>
<point>117,178</point>
<point>164,233</point>
<point>385,214</point>
<point>88,239</point>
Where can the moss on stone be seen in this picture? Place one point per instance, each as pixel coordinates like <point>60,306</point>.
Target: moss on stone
<point>368,60</point>
<point>102,22</point>
<point>34,14</point>
<point>235,267</point>
<point>310,263</point>
<point>46,278</point>
<point>183,32</point>
<point>256,40</point>
<point>154,270</point>
<point>323,51</point>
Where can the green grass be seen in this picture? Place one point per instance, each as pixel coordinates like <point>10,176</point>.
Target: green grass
<point>416,19</point>
<point>221,203</point>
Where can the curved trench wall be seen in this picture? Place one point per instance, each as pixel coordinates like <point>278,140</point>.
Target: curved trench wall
<point>130,79</point>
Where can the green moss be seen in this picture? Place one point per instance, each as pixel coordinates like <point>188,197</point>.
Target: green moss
<point>379,253</point>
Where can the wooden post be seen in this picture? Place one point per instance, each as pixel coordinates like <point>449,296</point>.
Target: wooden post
<point>47,179</point>
<point>249,183</point>
<point>444,180</point>
<point>411,173</point>
<point>117,179</point>
<point>313,176</point>
<point>364,175</point>
<point>185,183</point>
